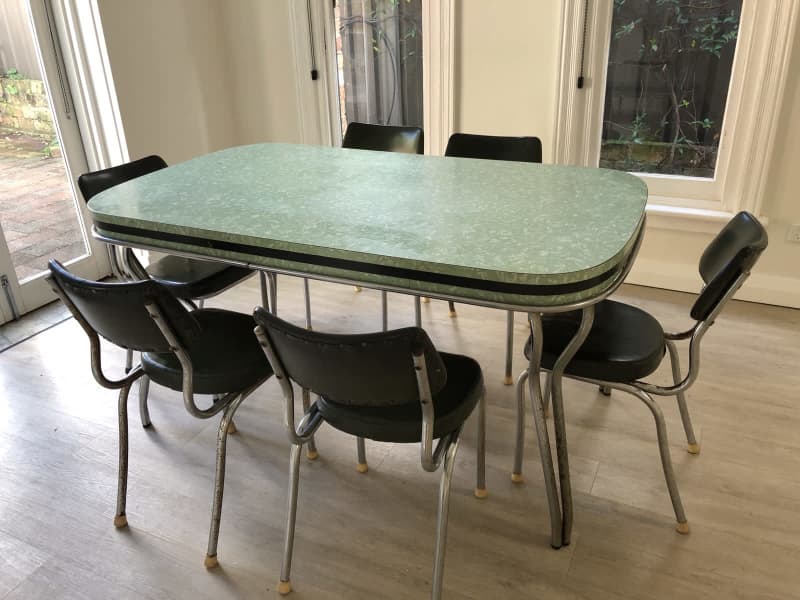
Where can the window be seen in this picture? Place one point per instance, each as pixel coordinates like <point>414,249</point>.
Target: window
<point>669,95</point>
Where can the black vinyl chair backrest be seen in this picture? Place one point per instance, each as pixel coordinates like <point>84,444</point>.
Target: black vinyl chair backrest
<point>116,311</point>
<point>95,182</point>
<point>386,138</point>
<point>494,147</point>
<point>732,252</point>
<point>371,369</point>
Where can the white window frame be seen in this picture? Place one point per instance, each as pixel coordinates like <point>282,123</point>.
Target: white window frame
<point>766,35</point>
<point>318,100</point>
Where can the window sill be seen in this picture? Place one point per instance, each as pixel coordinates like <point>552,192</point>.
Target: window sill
<point>686,219</point>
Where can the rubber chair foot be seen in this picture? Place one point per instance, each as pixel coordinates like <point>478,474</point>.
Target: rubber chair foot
<point>362,467</point>
<point>312,454</point>
<point>284,587</point>
<point>309,328</point>
<point>682,528</point>
<point>210,562</point>
<point>517,478</point>
<point>120,521</point>
<point>453,314</point>
<point>358,289</point>
<point>693,448</point>
<point>508,380</point>
<point>425,299</point>
<point>606,391</point>
<point>481,493</point>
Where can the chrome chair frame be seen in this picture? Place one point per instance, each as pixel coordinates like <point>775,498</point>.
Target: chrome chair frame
<point>227,404</point>
<point>642,390</point>
<point>430,458</point>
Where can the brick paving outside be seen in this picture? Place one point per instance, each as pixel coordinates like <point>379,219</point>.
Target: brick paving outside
<point>36,209</point>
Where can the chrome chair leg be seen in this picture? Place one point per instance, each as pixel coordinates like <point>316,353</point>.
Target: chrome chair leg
<point>508,380</point>
<point>219,480</point>
<point>519,445</point>
<point>480,484</point>
<point>417,311</point>
<point>120,518</point>
<point>361,448</point>
<point>128,361</point>
<point>311,449</point>
<point>201,302</point>
<point>666,459</point>
<point>384,311</point>
<point>692,446</point>
<point>285,585</point>
<point>307,294</point>
<point>548,387</point>
<point>144,411</point>
<point>452,306</point>
<point>441,517</point>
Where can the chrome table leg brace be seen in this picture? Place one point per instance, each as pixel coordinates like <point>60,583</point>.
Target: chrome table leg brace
<point>559,422</point>
<point>535,391</point>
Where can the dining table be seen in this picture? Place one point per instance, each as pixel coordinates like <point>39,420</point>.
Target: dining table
<point>532,238</point>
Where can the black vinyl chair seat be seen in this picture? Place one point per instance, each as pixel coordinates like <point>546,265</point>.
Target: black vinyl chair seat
<point>624,344</point>
<point>189,278</point>
<point>402,423</point>
<point>225,355</point>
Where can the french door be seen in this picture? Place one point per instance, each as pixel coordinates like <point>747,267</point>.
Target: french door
<point>42,215</point>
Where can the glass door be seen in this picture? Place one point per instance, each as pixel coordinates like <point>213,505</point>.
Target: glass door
<point>42,215</point>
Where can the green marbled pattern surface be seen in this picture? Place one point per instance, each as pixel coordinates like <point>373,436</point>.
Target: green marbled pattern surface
<point>490,220</point>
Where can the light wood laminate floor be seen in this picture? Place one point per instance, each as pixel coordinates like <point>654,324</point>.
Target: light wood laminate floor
<point>371,536</point>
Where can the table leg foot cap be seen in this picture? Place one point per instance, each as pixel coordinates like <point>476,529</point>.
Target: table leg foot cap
<point>517,478</point>
<point>682,528</point>
<point>508,380</point>
<point>210,561</point>
<point>284,587</point>
<point>453,314</point>
<point>312,454</point>
<point>362,467</point>
<point>425,299</point>
<point>693,448</point>
<point>481,493</point>
<point>120,521</point>
<point>358,289</point>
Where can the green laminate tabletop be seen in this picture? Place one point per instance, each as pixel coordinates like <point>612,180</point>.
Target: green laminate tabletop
<point>505,232</point>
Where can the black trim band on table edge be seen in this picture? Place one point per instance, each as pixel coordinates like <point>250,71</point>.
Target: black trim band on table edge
<point>524,289</point>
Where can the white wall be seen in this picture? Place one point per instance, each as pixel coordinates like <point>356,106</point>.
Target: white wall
<point>223,74</point>
<point>173,81</point>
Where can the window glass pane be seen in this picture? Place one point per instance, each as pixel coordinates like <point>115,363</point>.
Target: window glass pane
<point>379,58</point>
<point>669,69</point>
